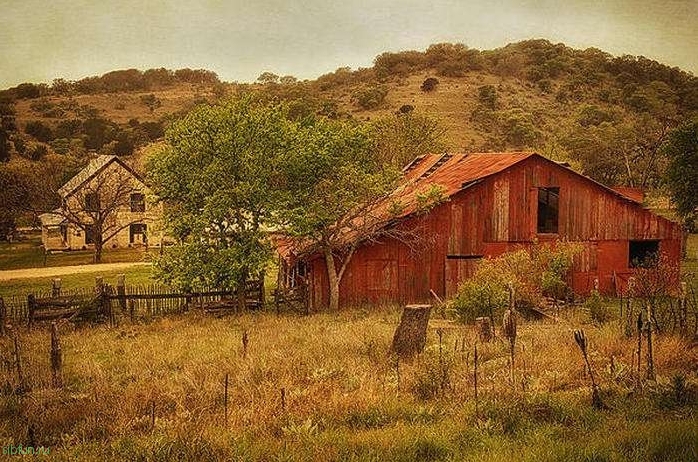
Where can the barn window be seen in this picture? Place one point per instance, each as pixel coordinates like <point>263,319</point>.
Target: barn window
<point>92,202</point>
<point>643,253</point>
<point>137,202</point>
<point>548,210</point>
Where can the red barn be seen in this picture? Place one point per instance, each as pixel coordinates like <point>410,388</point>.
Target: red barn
<point>498,202</point>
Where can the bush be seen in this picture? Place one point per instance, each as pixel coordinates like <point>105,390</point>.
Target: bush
<point>429,84</point>
<point>487,96</point>
<point>39,131</point>
<point>542,270</point>
<point>371,98</point>
<point>598,311</point>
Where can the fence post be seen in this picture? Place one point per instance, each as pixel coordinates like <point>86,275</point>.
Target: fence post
<point>262,293</point>
<point>56,288</point>
<point>56,357</point>
<point>683,313</point>
<point>132,310</point>
<point>31,307</point>
<point>121,291</point>
<point>18,364</point>
<point>3,317</point>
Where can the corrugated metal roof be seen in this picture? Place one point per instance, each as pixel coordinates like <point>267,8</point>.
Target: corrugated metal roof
<point>453,172</point>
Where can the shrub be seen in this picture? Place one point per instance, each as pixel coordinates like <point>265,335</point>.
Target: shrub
<point>371,98</point>
<point>487,96</point>
<point>406,109</point>
<point>429,84</point>
<point>598,311</point>
<point>39,131</point>
<point>433,375</point>
<point>541,270</point>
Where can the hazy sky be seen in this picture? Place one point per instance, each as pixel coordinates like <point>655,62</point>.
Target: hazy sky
<point>41,39</point>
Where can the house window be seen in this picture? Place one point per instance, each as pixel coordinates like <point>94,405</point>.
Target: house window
<point>643,254</point>
<point>92,202</point>
<point>89,234</point>
<point>137,233</point>
<point>137,202</point>
<point>548,210</point>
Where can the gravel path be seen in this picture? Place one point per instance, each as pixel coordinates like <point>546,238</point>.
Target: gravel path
<point>52,271</point>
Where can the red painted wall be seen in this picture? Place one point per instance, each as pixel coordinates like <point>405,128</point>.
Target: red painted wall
<point>490,218</point>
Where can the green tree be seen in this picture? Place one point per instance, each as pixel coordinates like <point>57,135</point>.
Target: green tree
<point>333,183</point>
<point>402,137</point>
<point>218,177</point>
<point>151,101</point>
<point>268,77</point>
<point>681,148</point>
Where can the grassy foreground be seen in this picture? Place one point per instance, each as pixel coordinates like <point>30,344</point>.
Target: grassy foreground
<point>344,398</point>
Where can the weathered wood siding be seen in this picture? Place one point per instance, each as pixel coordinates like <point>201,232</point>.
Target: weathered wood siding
<point>498,215</point>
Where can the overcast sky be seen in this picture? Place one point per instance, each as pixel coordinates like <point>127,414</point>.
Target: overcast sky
<point>41,40</point>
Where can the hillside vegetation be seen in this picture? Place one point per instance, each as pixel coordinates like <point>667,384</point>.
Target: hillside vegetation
<point>608,116</point>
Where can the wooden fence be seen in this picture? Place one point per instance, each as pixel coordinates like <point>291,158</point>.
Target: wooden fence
<point>104,302</point>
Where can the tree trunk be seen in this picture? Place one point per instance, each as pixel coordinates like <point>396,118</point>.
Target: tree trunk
<point>333,280</point>
<point>241,293</point>
<point>98,250</point>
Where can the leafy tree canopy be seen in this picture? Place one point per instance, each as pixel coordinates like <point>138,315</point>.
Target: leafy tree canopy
<point>681,148</point>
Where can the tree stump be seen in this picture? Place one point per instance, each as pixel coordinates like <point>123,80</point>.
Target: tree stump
<point>484,328</point>
<point>411,335</point>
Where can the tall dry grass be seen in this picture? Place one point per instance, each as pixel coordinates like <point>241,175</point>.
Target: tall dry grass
<point>341,390</point>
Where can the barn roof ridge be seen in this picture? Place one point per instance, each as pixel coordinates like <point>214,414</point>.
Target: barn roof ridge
<point>505,160</point>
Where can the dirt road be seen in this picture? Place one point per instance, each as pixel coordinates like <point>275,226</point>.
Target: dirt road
<point>64,270</point>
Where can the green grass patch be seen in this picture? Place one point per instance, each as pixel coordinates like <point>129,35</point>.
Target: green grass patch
<point>30,254</point>
<point>136,275</point>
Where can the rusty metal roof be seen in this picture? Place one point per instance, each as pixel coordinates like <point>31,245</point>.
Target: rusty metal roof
<point>452,172</point>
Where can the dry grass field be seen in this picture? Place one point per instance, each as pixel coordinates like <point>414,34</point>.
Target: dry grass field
<point>155,391</point>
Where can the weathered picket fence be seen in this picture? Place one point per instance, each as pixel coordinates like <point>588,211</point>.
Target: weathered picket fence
<point>105,302</point>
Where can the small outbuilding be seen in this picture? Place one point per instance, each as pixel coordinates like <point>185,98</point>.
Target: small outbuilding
<point>496,202</point>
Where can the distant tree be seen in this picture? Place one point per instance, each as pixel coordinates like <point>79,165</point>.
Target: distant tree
<point>68,128</point>
<point>405,109</point>
<point>61,87</point>
<point>429,84</point>
<point>518,129</point>
<point>98,132</point>
<point>36,151</point>
<point>400,138</point>
<point>288,80</point>
<point>158,77</point>
<point>39,130</point>
<point>153,130</point>
<point>681,148</point>
<point>398,64</point>
<point>5,147</point>
<point>123,80</point>
<point>591,114</point>
<point>151,101</point>
<point>487,96</point>
<point>371,98</point>
<point>268,77</point>
<point>26,188</point>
